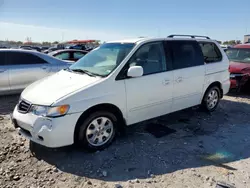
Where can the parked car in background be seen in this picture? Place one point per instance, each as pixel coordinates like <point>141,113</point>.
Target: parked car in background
<point>44,48</point>
<point>78,47</point>
<point>36,48</point>
<point>45,51</point>
<point>19,68</point>
<point>26,48</point>
<point>81,47</point>
<point>225,47</point>
<point>122,83</point>
<point>239,57</point>
<point>69,54</point>
<point>51,49</point>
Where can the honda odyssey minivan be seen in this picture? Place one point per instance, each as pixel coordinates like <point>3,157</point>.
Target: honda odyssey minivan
<point>122,83</point>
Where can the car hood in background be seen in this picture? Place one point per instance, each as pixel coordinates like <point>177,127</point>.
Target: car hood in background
<point>69,62</point>
<point>236,67</point>
<point>50,89</point>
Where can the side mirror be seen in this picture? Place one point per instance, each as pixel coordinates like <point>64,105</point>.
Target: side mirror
<point>135,71</point>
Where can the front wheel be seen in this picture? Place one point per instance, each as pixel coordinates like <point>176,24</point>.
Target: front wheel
<point>211,99</point>
<point>98,130</point>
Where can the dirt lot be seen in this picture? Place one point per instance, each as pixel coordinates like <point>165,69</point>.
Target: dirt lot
<point>205,149</point>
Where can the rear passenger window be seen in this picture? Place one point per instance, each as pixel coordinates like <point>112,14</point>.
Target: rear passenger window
<point>210,52</point>
<point>20,58</point>
<point>186,54</point>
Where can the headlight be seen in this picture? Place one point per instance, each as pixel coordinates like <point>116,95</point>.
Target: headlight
<point>49,111</point>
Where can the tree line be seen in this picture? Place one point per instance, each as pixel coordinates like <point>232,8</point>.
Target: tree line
<point>19,43</point>
<point>46,43</point>
<point>232,42</point>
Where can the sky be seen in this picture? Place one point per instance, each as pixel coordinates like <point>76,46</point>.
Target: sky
<point>63,20</point>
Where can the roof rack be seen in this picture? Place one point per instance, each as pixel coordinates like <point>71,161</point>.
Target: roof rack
<point>192,36</point>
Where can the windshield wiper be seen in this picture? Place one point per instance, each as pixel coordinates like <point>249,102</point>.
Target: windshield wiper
<point>84,71</point>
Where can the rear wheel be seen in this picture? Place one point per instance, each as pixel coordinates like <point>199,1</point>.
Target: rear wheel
<point>211,99</point>
<point>98,130</point>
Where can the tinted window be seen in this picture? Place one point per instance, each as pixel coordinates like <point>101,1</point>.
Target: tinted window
<point>78,55</point>
<point>186,54</point>
<point>2,58</point>
<point>63,56</point>
<point>210,52</point>
<point>19,58</point>
<point>151,57</point>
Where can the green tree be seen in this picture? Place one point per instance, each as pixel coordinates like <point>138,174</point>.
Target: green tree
<point>45,43</point>
<point>19,42</point>
<point>238,41</point>
<point>232,42</point>
<point>55,42</point>
<point>225,42</point>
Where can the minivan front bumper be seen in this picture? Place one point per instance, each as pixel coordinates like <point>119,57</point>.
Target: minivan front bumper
<point>49,132</point>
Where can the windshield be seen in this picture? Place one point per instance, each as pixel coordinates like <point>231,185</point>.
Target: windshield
<point>104,59</point>
<point>239,55</point>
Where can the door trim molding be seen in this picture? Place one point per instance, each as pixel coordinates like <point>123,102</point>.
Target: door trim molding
<point>150,105</point>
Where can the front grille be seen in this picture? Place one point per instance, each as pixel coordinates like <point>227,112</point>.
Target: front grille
<point>23,106</point>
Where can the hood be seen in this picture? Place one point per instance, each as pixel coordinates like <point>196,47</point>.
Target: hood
<point>236,67</point>
<point>52,88</point>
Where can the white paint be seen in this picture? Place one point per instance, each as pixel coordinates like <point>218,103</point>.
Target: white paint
<point>138,98</point>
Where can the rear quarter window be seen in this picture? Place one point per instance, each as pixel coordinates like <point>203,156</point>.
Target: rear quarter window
<point>211,52</point>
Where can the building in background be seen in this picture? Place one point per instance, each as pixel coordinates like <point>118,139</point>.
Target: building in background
<point>246,38</point>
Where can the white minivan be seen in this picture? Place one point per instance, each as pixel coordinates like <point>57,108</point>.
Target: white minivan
<point>122,83</point>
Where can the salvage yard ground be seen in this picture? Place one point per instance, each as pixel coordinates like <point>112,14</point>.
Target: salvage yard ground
<point>203,149</point>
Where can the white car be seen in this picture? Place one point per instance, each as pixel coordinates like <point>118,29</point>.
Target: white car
<point>121,83</point>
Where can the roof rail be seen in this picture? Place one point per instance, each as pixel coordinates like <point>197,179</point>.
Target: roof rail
<point>192,36</point>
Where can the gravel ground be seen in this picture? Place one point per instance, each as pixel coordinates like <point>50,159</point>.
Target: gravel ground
<point>205,149</point>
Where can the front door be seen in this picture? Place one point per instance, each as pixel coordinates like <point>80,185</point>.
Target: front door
<point>188,72</point>
<point>149,96</point>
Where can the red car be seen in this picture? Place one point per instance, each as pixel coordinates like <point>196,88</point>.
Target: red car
<point>239,68</point>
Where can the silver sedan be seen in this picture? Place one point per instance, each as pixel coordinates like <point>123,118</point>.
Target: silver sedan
<point>19,68</point>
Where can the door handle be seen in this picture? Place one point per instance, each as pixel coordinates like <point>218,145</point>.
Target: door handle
<point>166,82</point>
<point>179,79</point>
<point>44,67</point>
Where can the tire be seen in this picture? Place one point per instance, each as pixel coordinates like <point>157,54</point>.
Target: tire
<point>211,99</point>
<point>94,129</point>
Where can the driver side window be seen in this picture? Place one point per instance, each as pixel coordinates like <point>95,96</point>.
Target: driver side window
<point>150,57</point>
